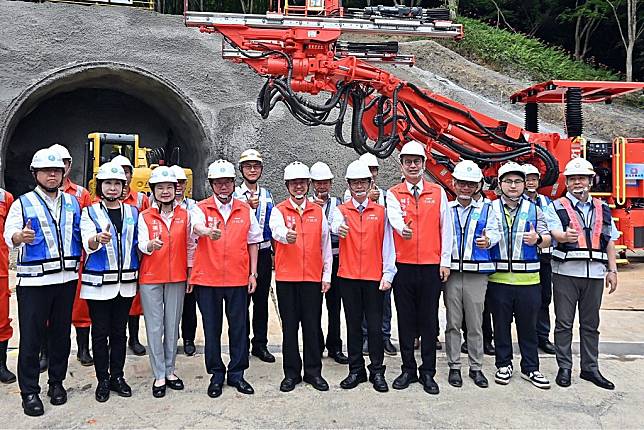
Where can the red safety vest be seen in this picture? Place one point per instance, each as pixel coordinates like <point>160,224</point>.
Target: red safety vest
<point>361,250</point>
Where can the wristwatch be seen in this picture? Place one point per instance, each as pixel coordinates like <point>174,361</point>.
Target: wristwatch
<point>540,239</point>
<point>254,275</point>
<point>612,271</point>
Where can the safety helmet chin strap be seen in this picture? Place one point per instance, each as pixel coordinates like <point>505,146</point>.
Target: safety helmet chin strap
<point>48,189</point>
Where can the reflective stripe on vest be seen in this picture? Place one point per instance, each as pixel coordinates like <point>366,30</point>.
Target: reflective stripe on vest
<point>57,245</point>
<point>117,260</point>
<point>543,202</point>
<point>466,256</point>
<point>511,254</point>
<point>361,250</point>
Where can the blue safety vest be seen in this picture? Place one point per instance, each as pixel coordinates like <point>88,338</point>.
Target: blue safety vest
<point>511,254</point>
<point>262,213</point>
<point>118,260</point>
<point>57,245</point>
<point>466,256</point>
<point>542,203</point>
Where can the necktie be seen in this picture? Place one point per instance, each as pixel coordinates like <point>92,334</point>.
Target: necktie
<point>300,210</point>
<point>414,190</point>
<point>360,208</point>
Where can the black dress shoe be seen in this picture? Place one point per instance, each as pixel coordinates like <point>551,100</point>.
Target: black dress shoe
<point>488,348</point>
<point>403,380</point>
<point>317,382</point>
<point>353,380</point>
<point>454,378</point>
<point>159,391</point>
<point>390,348</point>
<point>120,387</point>
<point>597,379</point>
<point>429,384</point>
<point>102,393</point>
<point>57,394</point>
<point>214,390</point>
<point>464,347</point>
<point>174,384</point>
<point>189,348</point>
<point>6,375</point>
<point>242,386</point>
<point>263,354</point>
<point>379,382</point>
<point>563,377</point>
<point>339,357</point>
<point>288,384</point>
<point>136,347</point>
<point>547,346</point>
<point>32,405</point>
<point>479,378</point>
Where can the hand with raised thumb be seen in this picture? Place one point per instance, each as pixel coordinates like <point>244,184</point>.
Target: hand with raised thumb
<point>530,237</point>
<point>105,236</point>
<point>343,230</point>
<point>291,234</point>
<point>253,201</point>
<point>407,232</point>
<point>27,235</point>
<point>374,194</point>
<point>155,244</point>
<point>571,235</point>
<point>215,232</point>
<point>483,241</point>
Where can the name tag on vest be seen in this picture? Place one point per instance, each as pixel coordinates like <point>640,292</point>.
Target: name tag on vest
<point>311,218</point>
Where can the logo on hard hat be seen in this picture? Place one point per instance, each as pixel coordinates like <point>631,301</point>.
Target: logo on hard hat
<point>164,173</point>
<point>52,158</point>
<point>469,169</point>
<point>114,170</point>
<point>222,170</point>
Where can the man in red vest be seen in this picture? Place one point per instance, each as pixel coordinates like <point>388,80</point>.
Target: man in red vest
<point>419,214</point>
<point>225,270</point>
<point>303,265</point>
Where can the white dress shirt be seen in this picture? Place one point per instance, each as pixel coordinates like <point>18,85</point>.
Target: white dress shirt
<point>15,223</point>
<point>491,226</point>
<point>279,230</point>
<point>394,213</point>
<point>198,217</point>
<point>388,249</point>
<point>107,291</point>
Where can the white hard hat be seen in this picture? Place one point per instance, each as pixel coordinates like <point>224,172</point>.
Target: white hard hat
<point>46,159</point>
<point>162,174</point>
<point>579,166</point>
<point>413,148</point>
<point>221,169</point>
<point>358,170</point>
<point>511,167</point>
<point>321,172</point>
<point>529,169</point>
<point>122,161</point>
<point>369,159</point>
<point>179,173</point>
<point>250,155</point>
<point>467,170</point>
<point>111,170</point>
<point>296,170</point>
<point>64,153</point>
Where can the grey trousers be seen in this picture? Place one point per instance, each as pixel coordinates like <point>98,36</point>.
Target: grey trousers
<point>465,295</point>
<point>162,308</point>
<point>569,293</point>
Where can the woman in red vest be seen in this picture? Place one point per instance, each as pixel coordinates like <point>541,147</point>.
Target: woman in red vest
<point>303,263</point>
<point>164,240</point>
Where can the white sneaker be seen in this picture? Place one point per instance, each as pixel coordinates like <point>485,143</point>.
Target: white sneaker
<point>537,379</point>
<point>503,374</point>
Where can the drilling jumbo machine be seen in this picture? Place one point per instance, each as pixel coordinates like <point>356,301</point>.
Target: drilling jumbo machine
<point>297,48</point>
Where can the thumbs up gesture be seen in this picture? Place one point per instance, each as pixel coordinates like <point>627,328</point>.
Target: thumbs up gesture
<point>291,234</point>
<point>155,244</point>
<point>105,236</point>
<point>483,241</point>
<point>530,237</point>
<point>570,235</point>
<point>343,230</point>
<point>253,200</point>
<point>214,233</point>
<point>27,235</point>
<point>407,232</point>
<point>374,194</point>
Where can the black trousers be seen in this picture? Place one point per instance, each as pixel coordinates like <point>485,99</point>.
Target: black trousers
<point>543,319</point>
<point>521,302</point>
<point>333,299</point>
<point>488,333</point>
<point>109,321</point>
<point>40,308</point>
<point>417,290</point>
<point>300,303</point>
<point>211,304</point>
<point>189,317</point>
<point>363,299</point>
<point>260,299</point>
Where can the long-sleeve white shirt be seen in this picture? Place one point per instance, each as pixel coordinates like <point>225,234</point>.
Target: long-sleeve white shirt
<point>491,226</point>
<point>388,249</point>
<point>15,223</point>
<point>107,291</point>
<point>395,215</point>
<point>279,230</point>
<point>198,217</point>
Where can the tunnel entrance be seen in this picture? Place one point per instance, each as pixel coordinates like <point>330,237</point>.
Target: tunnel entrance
<point>112,98</point>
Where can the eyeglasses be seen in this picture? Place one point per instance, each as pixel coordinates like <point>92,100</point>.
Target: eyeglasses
<point>511,182</point>
<point>466,184</point>
<point>251,166</point>
<point>359,182</point>
<point>412,161</point>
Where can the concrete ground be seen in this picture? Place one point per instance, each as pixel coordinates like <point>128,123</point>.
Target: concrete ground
<point>517,405</point>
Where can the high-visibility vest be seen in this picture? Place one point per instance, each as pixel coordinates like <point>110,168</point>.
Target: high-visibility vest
<point>511,254</point>
<point>361,250</point>
<point>262,212</point>
<point>137,199</point>
<point>425,245</point>
<point>328,207</point>
<point>466,256</point>
<point>170,263</point>
<point>81,194</point>
<point>118,260</point>
<point>6,199</point>
<point>188,203</point>
<point>57,245</point>
<point>224,262</point>
<point>542,203</point>
<point>593,242</point>
<point>301,261</point>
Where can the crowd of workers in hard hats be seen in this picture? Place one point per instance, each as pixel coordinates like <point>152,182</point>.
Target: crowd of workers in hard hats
<point>103,263</point>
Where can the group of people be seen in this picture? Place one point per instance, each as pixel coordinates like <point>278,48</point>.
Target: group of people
<point>172,253</point>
